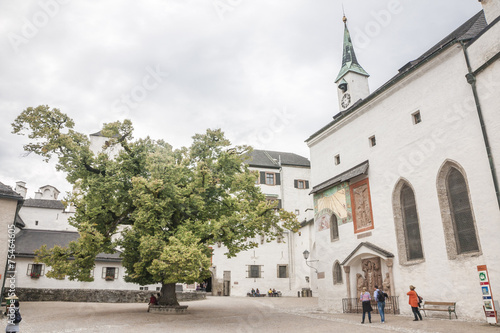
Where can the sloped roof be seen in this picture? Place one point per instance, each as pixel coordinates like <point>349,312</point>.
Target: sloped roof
<point>358,170</point>
<point>29,240</point>
<point>19,222</point>
<point>44,203</point>
<point>370,246</point>
<point>271,159</point>
<point>349,61</point>
<point>467,31</point>
<point>8,192</point>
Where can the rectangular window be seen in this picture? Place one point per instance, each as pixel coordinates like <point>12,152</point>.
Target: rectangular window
<point>110,273</point>
<point>301,184</point>
<point>269,178</point>
<point>337,159</point>
<point>282,271</point>
<point>373,141</point>
<point>254,271</point>
<point>35,270</point>
<point>416,117</point>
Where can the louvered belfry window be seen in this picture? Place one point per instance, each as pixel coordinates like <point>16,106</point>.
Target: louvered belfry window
<point>410,224</point>
<point>461,213</point>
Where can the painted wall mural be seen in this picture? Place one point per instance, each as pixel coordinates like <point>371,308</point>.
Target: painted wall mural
<point>361,206</point>
<point>335,200</point>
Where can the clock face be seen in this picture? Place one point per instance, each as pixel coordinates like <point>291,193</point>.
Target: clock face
<point>346,100</point>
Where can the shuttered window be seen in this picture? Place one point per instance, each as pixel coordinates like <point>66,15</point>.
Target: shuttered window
<point>270,178</point>
<point>463,222</point>
<point>301,184</point>
<point>410,224</point>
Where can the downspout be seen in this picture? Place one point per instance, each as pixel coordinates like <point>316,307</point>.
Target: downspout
<point>471,79</point>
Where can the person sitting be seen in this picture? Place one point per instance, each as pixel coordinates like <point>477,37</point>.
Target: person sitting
<point>253,292</point>
<point>153,300</point>
<point>257,292</point>
<point>275,293</point>
<point>270,293</point>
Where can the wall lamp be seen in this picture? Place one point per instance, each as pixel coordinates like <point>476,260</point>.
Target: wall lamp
<point>306,256</point>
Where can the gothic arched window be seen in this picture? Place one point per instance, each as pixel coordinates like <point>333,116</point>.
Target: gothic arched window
<point>334,228</point>
<point>337,273</point>
<point>410,224</point>
<point>459,224</point>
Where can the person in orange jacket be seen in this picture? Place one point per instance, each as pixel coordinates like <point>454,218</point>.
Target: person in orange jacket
<point>413,301</point>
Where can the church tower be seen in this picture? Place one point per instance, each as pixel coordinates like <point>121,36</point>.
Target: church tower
<point>352,80</point>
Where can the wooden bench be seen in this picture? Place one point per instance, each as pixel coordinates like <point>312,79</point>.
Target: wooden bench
<point>440,306</point>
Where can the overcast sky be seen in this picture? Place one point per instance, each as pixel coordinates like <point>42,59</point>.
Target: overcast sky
<point>262,70</point>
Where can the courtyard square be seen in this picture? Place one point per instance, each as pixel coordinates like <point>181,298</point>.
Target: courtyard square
<point>223,314</point>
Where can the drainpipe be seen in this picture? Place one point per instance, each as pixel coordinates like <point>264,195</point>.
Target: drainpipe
<point>471,79</point>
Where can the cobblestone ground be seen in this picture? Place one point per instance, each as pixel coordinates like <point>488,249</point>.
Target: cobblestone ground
<point>223,314</point>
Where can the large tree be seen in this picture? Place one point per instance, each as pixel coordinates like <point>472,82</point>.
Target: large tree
<point>173,204</point>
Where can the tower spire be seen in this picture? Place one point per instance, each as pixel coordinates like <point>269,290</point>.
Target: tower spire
<point>349,61</point>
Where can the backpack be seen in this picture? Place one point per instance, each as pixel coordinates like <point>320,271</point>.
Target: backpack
<point>381,296</point>
<point>17,317</point>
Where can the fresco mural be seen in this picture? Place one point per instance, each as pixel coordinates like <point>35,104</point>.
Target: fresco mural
<point>336,200</point>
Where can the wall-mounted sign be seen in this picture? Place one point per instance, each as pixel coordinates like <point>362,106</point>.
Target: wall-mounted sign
<point>489,305</point>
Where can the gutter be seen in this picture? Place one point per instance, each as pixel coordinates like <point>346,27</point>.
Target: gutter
<point>471,79</point>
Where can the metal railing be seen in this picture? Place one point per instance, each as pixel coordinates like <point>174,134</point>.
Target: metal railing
<point>353,305</point>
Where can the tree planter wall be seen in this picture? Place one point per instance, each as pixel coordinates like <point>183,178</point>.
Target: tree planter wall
<point>97,295</point>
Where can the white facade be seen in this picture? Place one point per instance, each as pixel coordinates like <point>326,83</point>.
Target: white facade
<point>417,154</point>
<point>231,276</point>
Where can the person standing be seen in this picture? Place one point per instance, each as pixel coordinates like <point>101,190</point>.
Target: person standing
<point>14,318</point>
<point>380,298</point>
<point>365,299</point>
<point>413,301</point>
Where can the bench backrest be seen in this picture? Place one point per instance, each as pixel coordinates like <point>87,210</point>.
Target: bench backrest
<point>440,303</point>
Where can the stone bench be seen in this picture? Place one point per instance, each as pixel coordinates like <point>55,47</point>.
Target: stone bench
<point>440,306</point>
<point>167,309</point>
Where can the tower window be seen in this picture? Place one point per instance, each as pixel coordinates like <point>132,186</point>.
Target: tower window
<point>416,117</point>
<point>372,140</point>
<point>337,159</point>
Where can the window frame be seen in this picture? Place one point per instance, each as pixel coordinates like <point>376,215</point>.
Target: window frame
<point>372,141</point>
<point>287,275</point>
<point>337,273</point>
<point>250,272</point>
<point>336,159</point>
<point>416,117</point>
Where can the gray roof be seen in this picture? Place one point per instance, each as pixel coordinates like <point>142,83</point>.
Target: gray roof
<point>19,222</point>
<point>44,203</point>
<point>466,32</point>
<point>9,193</point>
<point>358,170</point>
<point>29,240</point>
<point>270,159</point>
<point>372,247</point>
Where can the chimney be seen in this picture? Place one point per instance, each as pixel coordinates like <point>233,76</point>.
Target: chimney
<point>38,195</point>
<point>491,9</point>
<point>21,188</point>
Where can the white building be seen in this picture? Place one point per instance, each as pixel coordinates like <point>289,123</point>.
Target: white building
<point>405,179</point>
<point>277,264</point>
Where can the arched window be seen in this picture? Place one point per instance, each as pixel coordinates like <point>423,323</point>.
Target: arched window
<point>407,224</point>
<point>334,228</point>
<point>459,224</point>
<point>463,222</point>
<point>410,224</point>
<point>337,273</point>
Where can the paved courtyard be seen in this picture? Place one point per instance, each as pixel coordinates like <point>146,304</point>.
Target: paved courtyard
<point>222,314</point>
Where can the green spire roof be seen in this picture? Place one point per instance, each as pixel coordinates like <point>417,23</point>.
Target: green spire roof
<point>349,61</point>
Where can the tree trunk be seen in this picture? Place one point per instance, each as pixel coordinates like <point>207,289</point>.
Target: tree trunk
<point>168,296</point>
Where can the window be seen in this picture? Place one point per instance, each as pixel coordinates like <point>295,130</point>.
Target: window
<point>36,222</point>
<point>279,238</point>
<point>110,273</point>
<point>273,200</point>
<point>297,212</point>
<point>407,224</point>
<point>337,273</point>
<point>282,271</point>
<point>416,118</point>
<point>456,212</point>
<point>301,184</point>
<point>143,288</point>
<point>270,178</point>
<point>337,159</point>
<point>254,271</point>
<point>35,270</point>
<point>410,224</point>
<point>463,223</point>
<point>158,288</point>
<point>373,141</point>
<point>334,228</point>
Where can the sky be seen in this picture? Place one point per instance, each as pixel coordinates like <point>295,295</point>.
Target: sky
<point>261,70</point>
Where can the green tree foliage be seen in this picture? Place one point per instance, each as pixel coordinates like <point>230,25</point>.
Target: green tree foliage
<point>167,205</point>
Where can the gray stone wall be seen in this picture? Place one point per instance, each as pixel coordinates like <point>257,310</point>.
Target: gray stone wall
<point>97,295</point>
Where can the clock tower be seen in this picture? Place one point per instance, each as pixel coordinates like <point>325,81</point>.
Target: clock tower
<point>352,80</point>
